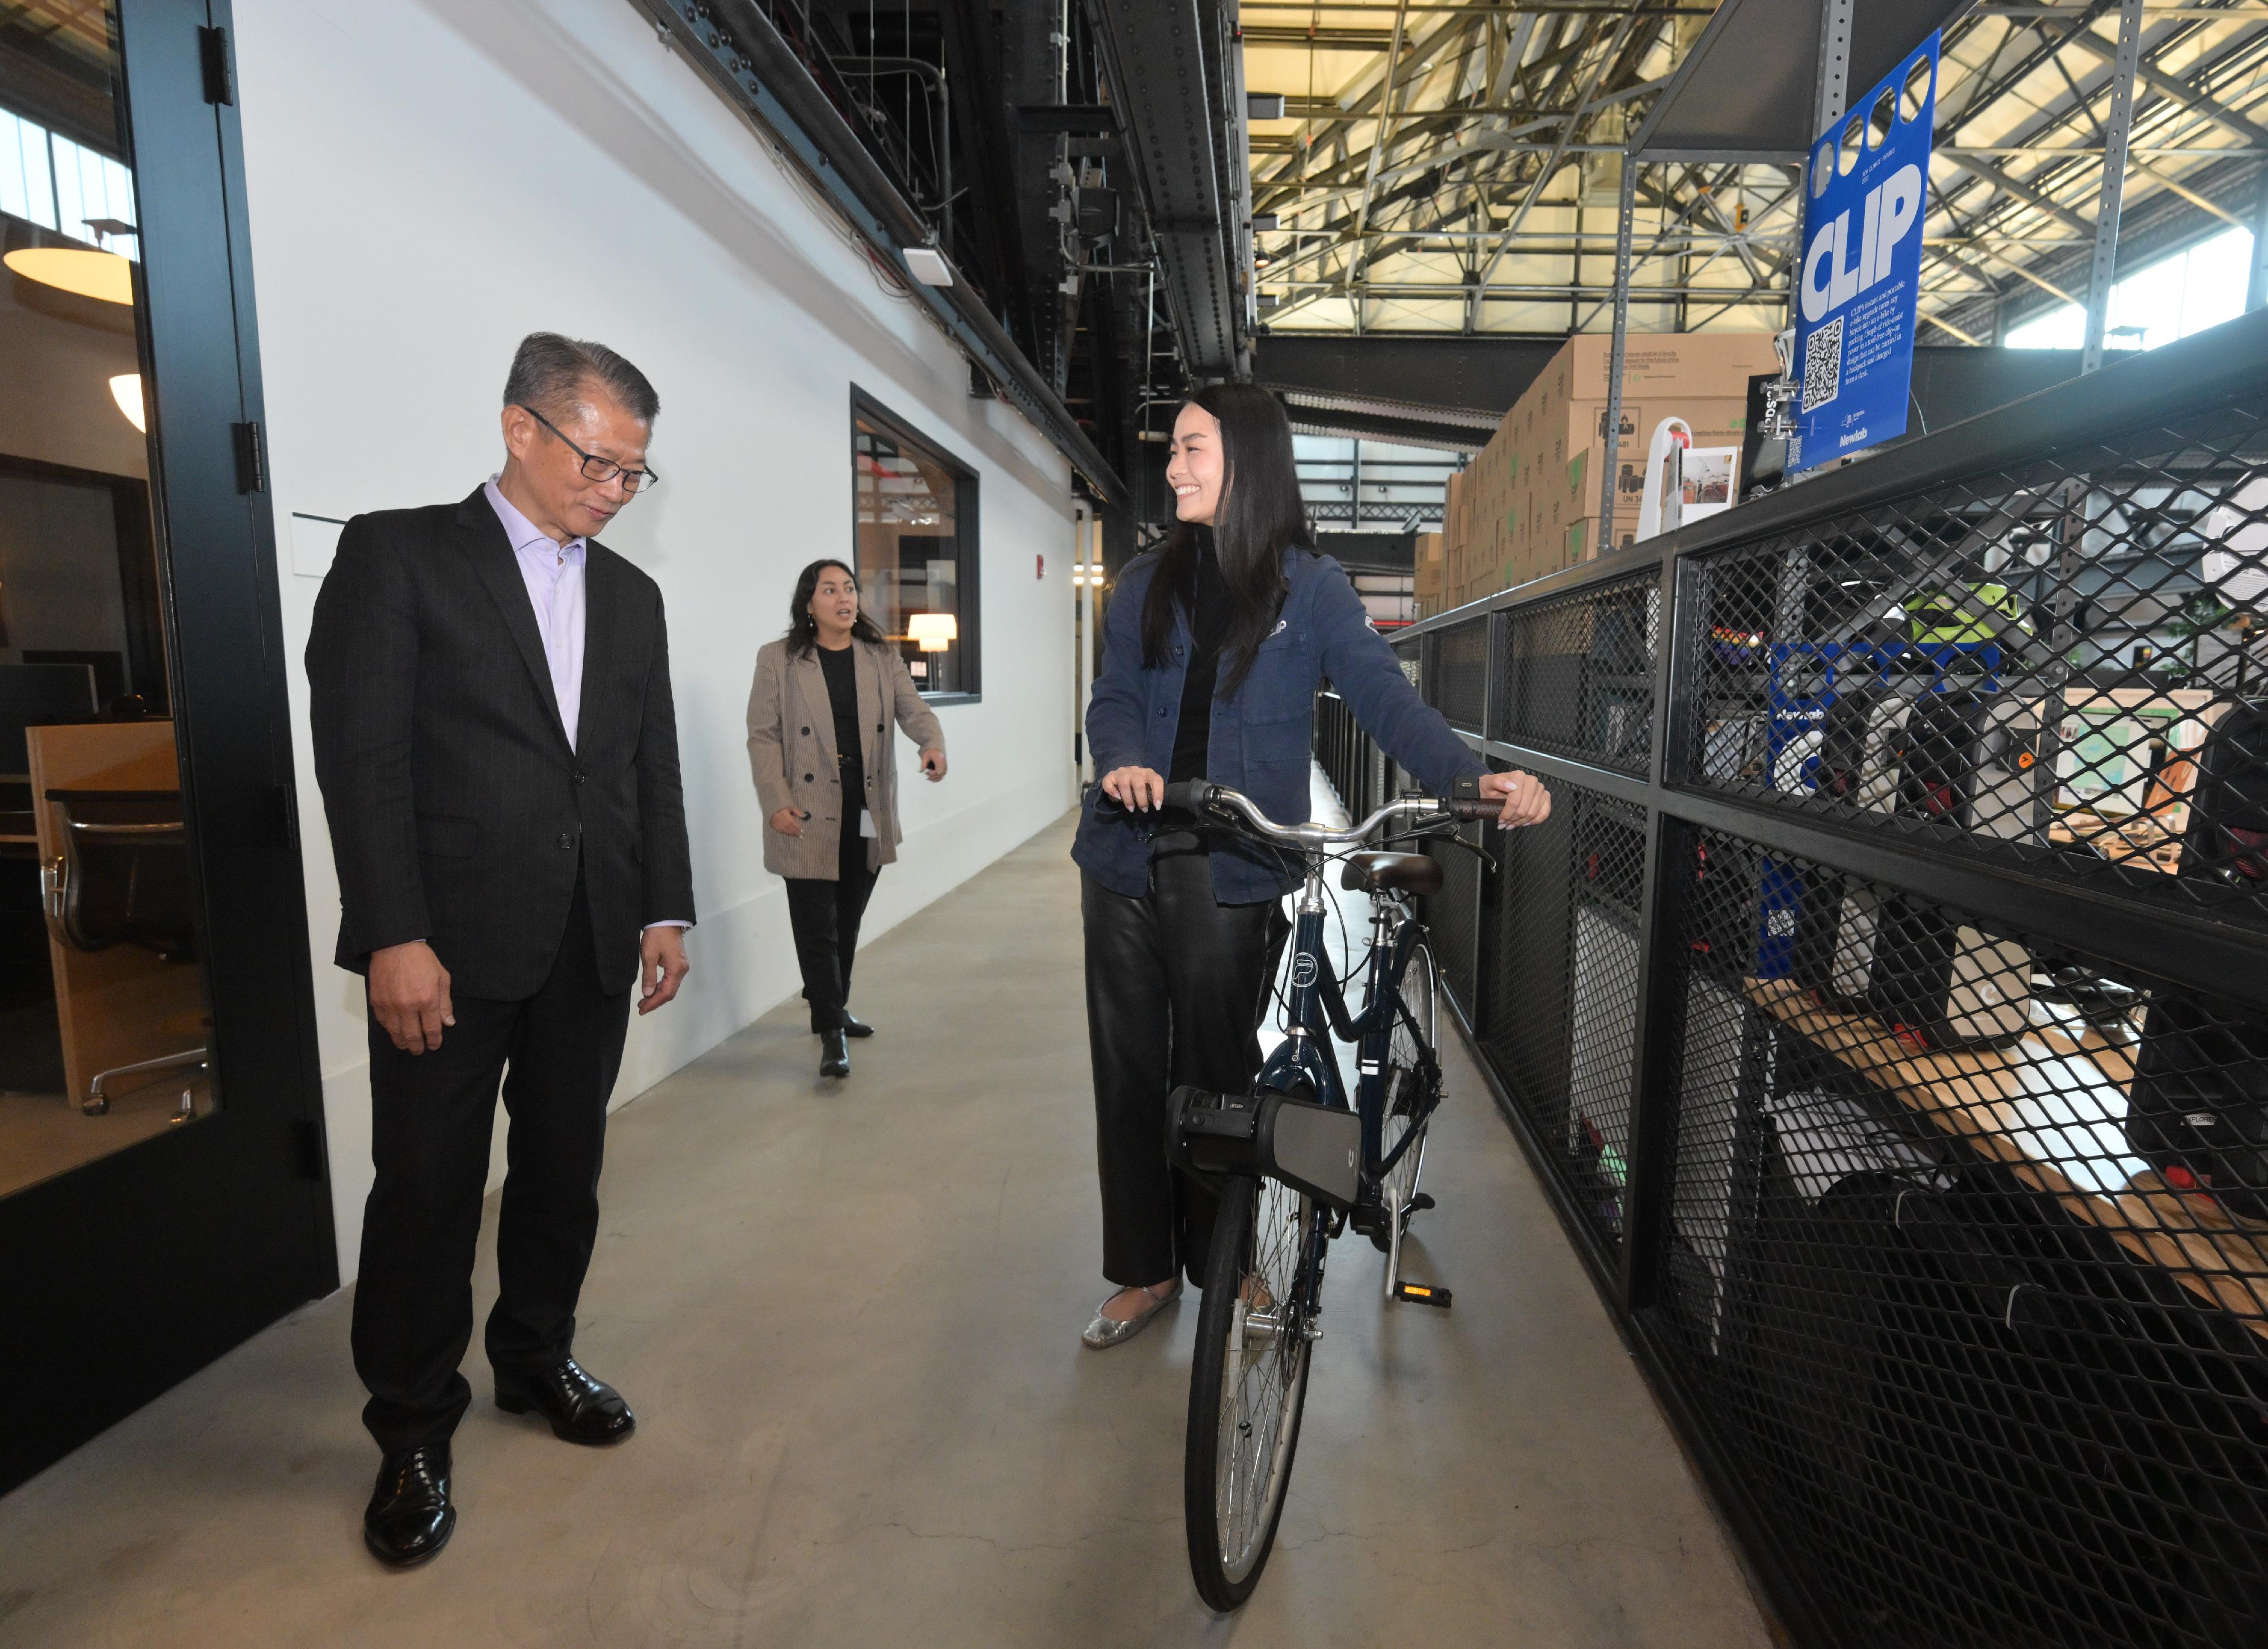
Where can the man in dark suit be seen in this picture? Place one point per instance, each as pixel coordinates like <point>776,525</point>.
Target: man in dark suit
<point>497,752</point>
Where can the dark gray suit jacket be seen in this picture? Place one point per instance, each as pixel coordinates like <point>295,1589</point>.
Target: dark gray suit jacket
<point>459,812</point>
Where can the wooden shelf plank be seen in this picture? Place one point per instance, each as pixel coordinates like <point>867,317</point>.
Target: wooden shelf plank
<point>1971,1093</point>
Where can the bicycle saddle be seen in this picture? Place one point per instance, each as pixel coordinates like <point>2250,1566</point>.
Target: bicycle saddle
<point>1374,873</point>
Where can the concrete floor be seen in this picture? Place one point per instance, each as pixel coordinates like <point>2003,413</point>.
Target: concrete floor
<point>848,1318</point>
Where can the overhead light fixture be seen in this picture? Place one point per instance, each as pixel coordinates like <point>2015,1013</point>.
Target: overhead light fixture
<point>1264,106</point>
<point>100,275</point>
<point>126,390</point>
<point>927,265</point>
<point>1264,222</point>
<point>935,632</point>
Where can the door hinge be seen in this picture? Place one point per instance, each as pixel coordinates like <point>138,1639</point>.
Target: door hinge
<point>251,457</point>
<point>220,78</point>
<point>314,1160</point>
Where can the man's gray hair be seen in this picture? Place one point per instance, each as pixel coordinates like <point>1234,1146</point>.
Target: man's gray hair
<point>549,374</point>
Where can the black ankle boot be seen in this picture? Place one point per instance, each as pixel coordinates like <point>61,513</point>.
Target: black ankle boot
<point>835,1055</point>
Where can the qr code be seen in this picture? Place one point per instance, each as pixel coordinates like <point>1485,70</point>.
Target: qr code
<point>1822,365</point>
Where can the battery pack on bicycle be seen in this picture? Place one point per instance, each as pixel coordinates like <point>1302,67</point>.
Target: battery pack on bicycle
<point>1313,1148</point>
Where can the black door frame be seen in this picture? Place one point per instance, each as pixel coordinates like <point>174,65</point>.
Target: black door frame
<point>126,1276</point>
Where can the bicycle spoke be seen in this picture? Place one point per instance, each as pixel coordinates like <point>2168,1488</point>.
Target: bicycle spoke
<point>1264,1360</point>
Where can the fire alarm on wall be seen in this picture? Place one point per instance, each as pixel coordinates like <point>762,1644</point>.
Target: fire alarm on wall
<point>1042,572</point>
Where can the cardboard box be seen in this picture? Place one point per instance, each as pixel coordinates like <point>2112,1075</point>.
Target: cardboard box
<point>1527,506</point>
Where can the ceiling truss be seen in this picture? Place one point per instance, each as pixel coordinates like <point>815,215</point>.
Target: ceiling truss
<point>1455,168</point>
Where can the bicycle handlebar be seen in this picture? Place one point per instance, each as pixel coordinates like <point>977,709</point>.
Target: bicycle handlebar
<point>1202,797</point>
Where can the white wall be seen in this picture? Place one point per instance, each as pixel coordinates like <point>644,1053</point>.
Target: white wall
<point>430,179</point>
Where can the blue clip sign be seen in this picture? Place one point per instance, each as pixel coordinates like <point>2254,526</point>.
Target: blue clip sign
<point>1865,192</point>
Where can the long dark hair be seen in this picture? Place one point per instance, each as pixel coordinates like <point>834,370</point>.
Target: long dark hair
<point>803,629</point>
<point>1259,516</point>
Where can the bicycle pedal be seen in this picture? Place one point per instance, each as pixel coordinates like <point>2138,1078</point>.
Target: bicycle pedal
<point>1420,1202</point>
<point>1422,1294</point>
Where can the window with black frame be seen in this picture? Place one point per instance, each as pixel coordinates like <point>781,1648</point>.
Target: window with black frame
<point>916,550</point>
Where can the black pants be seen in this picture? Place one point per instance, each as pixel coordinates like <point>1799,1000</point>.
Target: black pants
<point>825,916</point>
<point>1174,993</point>
<point>430,1115</point>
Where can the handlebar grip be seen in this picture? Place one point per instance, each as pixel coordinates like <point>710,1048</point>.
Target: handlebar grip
<point>1191,795</point>
<point>1467,809</point>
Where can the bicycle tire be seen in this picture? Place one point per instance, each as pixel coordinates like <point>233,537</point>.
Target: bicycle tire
<point>1262,1239</point>
<point>1405,1094</point>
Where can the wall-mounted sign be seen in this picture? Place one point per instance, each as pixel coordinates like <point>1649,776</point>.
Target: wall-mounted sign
<point>1864,195</point>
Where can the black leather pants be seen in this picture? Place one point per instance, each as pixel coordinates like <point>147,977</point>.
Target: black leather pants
<point>1173,992</point>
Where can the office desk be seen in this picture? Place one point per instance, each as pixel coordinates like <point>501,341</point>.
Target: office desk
<point>2066,1144</point>
<point>2137,841</point>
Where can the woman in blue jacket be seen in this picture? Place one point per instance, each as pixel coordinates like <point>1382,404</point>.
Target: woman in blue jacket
<point>1215,644</point>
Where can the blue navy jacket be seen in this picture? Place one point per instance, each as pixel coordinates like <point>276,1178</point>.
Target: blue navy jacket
<point>1263,736</point>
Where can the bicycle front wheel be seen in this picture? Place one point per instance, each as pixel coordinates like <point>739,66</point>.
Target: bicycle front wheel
<point>1249,1385</point>
<point>1406,1096</point>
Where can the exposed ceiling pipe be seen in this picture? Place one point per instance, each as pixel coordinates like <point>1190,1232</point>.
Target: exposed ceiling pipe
<point>737,48</point>
<point>1163,61</point>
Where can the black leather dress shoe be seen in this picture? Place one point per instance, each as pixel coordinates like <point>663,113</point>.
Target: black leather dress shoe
<point>835,1055</point>
<point>409,1518</point>
<point>580,1408</point>
<point>854,1027</point>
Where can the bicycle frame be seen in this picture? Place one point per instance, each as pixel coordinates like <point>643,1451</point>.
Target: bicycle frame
<point>1317,1009</point>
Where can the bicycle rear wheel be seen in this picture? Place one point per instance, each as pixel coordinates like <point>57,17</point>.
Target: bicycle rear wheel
<point>1407,1097</point>
<point>1249,1384</point>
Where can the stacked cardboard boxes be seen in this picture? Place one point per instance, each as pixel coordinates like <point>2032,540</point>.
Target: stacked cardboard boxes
<point>1529,505</point>
<point>1432,570</point>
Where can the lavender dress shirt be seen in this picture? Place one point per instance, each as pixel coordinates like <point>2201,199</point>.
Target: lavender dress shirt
<point>552,573</point>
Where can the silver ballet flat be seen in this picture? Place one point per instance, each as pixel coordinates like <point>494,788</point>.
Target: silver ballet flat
<point>1105,1332</point>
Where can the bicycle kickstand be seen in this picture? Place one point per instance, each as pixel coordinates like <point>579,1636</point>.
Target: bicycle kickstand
<point>1410,1293</point>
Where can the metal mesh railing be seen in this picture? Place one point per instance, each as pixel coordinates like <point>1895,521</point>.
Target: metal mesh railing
<point>1575,675</point>
<point>1563,939</point>
<point>1458,686</point>
<point>1886,1009</point>
<point>1940,1263</point>
<point>2062,664</point>
<point>1452,916</point>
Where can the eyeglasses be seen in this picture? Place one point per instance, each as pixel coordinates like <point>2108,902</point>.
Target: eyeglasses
<point>595,468</point>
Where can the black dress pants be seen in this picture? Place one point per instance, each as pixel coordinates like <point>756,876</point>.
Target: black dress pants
<point>431,1117</point>
<point>1174,989</point>
<point>825,916</point>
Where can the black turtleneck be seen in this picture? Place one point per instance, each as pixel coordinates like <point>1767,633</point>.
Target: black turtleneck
<point>1208,624</point>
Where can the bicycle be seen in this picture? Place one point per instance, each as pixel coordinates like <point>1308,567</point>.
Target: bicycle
<point>1296,1164</point>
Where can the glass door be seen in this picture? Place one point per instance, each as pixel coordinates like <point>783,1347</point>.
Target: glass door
<point>161,1190</point>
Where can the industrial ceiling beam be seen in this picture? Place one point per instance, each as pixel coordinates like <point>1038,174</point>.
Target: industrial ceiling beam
<point>735,48</point>
<point>2180,91</point>
<point>1549,167</point>
<point>1166,64</point>
<point>2024,192</point>
<point>2021,172</point>
<point>1385,114</point>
